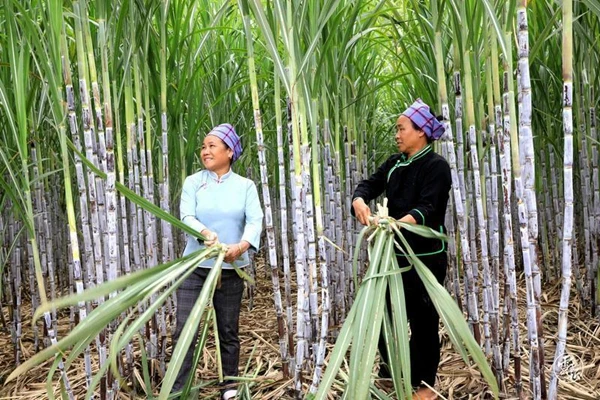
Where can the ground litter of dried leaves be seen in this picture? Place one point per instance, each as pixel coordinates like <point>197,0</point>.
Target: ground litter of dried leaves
<point>260,356</point>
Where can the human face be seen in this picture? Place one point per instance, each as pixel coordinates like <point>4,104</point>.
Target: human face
<point>216,156</point>
<point>409,139</point>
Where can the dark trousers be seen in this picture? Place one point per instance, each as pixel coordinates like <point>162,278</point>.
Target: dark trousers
<point>424,320</point>
<point>227,303</point>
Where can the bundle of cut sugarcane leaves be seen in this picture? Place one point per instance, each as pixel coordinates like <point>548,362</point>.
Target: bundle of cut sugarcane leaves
<point>368,315</point>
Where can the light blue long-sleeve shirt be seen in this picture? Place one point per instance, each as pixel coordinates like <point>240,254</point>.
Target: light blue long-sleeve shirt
<point>228,206</point>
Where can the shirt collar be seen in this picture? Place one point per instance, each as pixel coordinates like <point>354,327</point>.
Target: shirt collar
<point>404,161</point>
<point>214,176</point>
<point>417,155</point>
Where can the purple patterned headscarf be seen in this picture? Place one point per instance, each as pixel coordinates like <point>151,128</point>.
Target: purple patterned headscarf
<point>419,113</point>
<point>227,134</point>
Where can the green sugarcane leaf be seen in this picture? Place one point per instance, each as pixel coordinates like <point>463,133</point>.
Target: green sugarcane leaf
<point>94,323</point>
<point>114,353</point>
<point>445,318</point>
<point>212,319</point>
<point>362,323</point>
<point>63,391</point>
<point>242,274</point>
<point>337,355</point>
<point>421,230</point>
<point>593,6</point>
<point>145,369</point>
<point>357,248</point>
<point>400,325</point>
<point>50,378</point>
<point>122,337</point>
<point>392,346</point>
<point>15,195</point>
<point>191,326</point>
<point>316,40</point>
<point>137,199</point>
<point>372,334</point>
<point>189,384</point>
<point>87,329</point>
<point>143,288</point>
<point>125,281</point>
<point>549,30</point>
<point>377,393</point>
<point>271,45</point>
<point>15,241</point>
<point>98,377</point>
<point>147,314</point>
<point>454,320</point>
<point>496,24</point>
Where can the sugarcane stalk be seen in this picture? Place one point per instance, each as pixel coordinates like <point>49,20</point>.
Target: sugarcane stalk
<point>243,5</point>
<point>303,308</point>
<point>567,239</point>
<point>330,232</point>
<point>15,280</point>
<point>88,131</point>
<point>510,276</point>
<point>325,307</point>
<point>145,221</point>
<point>163,161</point>
<point>37,205</point>
<point>495,131</point>
<point>125,256</point>
<point>586,196</point>
<point>344,281</point>
<point>547,220</point>
<point>89,145</point>
<point>81,278</point>
<point>527,148</point>
<point>595,300</point>
<point>311,273</point>
<point>459,193</point>
<point>285,250</point>
<point>448,149</point>
<point>348,184</point>
<point>132,172</point>
<point>478,209</point>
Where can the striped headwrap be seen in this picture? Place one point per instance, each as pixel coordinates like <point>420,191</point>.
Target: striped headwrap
<point>227,134</point>
<point>419,113</point>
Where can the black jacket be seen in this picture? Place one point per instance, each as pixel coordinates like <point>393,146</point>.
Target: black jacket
<point>418,186</point>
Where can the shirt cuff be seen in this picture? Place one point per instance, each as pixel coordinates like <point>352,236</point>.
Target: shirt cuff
<point>252,239</point>
<point>418,216</point>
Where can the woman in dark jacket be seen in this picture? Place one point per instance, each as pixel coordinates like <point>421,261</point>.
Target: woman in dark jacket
<point>416,182</point>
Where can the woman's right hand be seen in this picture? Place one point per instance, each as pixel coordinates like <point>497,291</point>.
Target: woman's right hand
<point>211,237</point>
<point>361,210</point>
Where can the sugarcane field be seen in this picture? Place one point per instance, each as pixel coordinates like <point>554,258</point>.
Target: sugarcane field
<point>299,199</point>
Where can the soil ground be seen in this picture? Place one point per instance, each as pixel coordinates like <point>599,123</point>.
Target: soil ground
<point>260,356</point>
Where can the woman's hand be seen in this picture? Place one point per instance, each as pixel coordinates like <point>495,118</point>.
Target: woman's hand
<point>235,251</point>
<point>211,238</point>
<point>361,210</point>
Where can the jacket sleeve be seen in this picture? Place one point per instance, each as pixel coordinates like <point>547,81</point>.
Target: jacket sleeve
<point>368,189</point>
<point>254,217</point>
<point>435,188</point>
<point>187,205</point>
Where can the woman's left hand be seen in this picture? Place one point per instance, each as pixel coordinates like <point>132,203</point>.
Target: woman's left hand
<point>234,251</point>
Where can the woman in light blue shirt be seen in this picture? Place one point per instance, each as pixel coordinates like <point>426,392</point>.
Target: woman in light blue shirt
<point>225,208</point>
